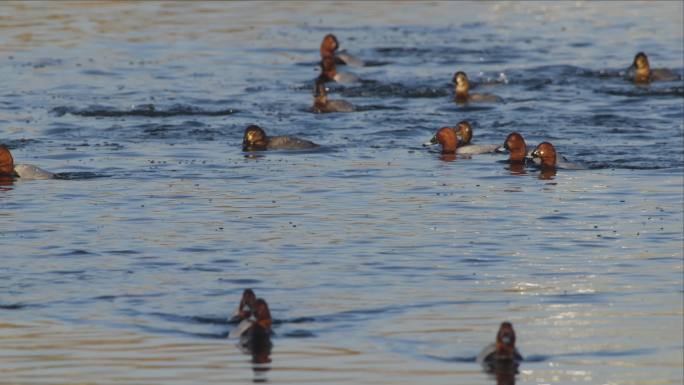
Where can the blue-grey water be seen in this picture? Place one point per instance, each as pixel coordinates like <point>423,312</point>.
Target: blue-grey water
<point>382,262</point>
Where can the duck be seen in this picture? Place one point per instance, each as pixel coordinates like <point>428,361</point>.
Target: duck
<point>547,158</point>
<point>464,132</point>
<point>447,138</point>
<point>464,96</point>
<point>258,325</point>
<point>245,308</point>
<point>329,47</point>
<point>22,171</point>
<point>329,72</point>
<point>255,139</point>
<point>644,74</point>
<point>323,105</point>
<point>516,147</point>
<point>502,353</point>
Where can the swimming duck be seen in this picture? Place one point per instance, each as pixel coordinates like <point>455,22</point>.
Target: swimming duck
<point>464,132</point>
<point>246,306</point>
<point>515,145</point>
<point>445,136</point>
<point>323,105</point>
<point>502,353</point>
<point>463,88</point>
<point>329,47</point>
<point>547,154</point>
<point>644,74</point>
<point>22,171</point>
<point>258,325</point>
<point>329,72</point>
<point>255,139</point>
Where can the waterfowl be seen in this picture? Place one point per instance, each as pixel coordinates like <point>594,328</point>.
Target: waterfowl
<point>22,171</point>
<point>329,72</point>
<point>258,325</point>
<point>547,154</point>
<point>255,139</point>
<point>502,353</point>
<point>515,145</point>
<point>463,94</point>
<point>246,306</point>
<point>323,105</point>
<point>447,138</point>
<point>644,74</point>
<point>329,47</point>
<point>464,132</point>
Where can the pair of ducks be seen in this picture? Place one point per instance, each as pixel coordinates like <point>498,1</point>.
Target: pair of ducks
<point>329,58</point>
<point>255,322</point>
<point>457,141</point>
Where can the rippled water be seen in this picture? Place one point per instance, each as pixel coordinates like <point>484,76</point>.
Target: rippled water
<point>382,263</point>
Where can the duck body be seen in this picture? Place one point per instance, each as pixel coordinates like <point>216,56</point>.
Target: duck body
<point>255,139</point>
<point>343,57</point>
<point>476,149</point>
<point>323,105</point>
<point>329,72</point>
<point>502,354</point>
<point>31,172</point>
<point>463,95</point>
<point>490,357</point>
<point>643,74</point>
<point>289,143</point>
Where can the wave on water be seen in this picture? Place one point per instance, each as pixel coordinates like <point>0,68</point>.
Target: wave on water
<point>144,110</point>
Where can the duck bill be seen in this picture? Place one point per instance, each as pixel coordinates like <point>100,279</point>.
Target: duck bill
<point>501,150</point>
<point>432,142</point>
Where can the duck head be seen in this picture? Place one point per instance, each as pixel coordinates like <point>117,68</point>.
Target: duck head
<point>446,136</point>
<point>641,68</point>
<point>329,45</point>
<point>460,79</point>
<point>255,139</point>
<point>464,132</point>
<point>505,341</point>
<point>6,162</point>
<point>547,154</point>
<point>515,145</point>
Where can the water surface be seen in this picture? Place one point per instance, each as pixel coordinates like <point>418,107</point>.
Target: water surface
<point>382,262</point>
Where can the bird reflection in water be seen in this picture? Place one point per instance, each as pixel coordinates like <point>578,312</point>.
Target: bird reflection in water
<point>255,338</point>
<point>517,168</point>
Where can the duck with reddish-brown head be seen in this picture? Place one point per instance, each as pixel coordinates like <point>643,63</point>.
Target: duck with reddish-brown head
<point>502,354</point>
<point>23,171</point>
<point>330,46</point>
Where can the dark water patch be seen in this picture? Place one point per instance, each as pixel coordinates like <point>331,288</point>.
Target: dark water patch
<point>395,90</point>
<point>76,253</point>
<point>641,92</point>
<point>92,72</point>
<point>195,249</point>
<point>80,175</point>
<point>240,281</point>
<point>460,359</point>
<point>144,110</point>
<point>573,298</point>
<point>224,261</point>
<point>14,144</point>
<point>203,268</point>
<point>298,334</point>
<point>12,306</point>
